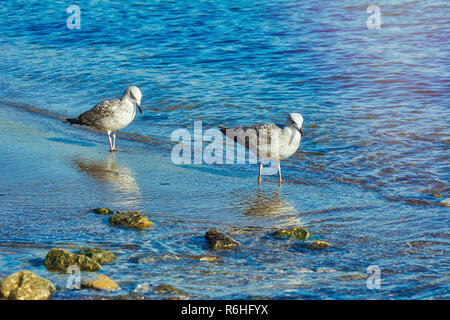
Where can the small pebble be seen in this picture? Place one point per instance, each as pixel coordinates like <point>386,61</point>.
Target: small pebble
<point>102,211</point>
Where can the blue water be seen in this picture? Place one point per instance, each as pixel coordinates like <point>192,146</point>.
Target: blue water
<point>375,104</point>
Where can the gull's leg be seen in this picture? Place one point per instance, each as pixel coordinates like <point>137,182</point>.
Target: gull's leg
<point>111,148</point>
<point>279,173</point>
<point>114,140</point>
<point>260,170</point>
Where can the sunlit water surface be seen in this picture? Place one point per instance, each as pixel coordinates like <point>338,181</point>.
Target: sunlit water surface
<point>369,177</point>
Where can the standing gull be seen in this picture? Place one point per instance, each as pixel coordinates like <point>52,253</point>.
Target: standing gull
<point>268,141</point>
<point>112,115</point>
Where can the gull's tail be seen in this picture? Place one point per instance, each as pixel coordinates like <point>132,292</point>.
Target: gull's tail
<point>73,121</point>
<point>223,130</point>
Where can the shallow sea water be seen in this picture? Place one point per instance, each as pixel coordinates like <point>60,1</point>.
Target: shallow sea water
<point>368,178</point>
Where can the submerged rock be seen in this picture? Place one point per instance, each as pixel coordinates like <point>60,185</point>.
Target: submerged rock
<point>25,285</point>
<point>219,240</point>
<point>354,276</point>
<point>99,282</point>
<point>316,244</point>
<point>408,251</point>
<point>293,232</point>
<point>60,260</point>
<point>146,258</point>
<point>209,259</point>
<point>205,257</point>
<point>421,244</point>
<point>99,255</point>
<point>102,211</point>
<point>132,219</point>
<point>325,270</point>
<point>168,289</point>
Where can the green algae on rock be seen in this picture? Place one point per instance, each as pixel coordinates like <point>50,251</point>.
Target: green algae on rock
<point>99,282</point>
<point>102,211</point>
<point>293,233</point>
<point>60,260</point>
<point>133,219</point>
<point>99,255</point>
<point>26,285</point>
<point>219,240</point>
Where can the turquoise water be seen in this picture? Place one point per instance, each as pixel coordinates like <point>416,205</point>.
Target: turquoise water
<point>369,177</point>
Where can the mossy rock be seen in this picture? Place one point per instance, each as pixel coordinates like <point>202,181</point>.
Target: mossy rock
<point>99,282</point>
<point>99,255</point>
<point>132,219</point>
<point>102,211</point>
<point>60,260</point>
<point>26,285</point>
<point>293,233</point>
<point>219,240</point>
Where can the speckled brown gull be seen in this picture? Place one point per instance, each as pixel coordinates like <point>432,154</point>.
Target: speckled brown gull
<point>268,141</point>
<point>112,115</point>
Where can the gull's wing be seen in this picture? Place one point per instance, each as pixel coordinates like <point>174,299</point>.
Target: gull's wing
<point>99,111</point>
<point>253,137</point>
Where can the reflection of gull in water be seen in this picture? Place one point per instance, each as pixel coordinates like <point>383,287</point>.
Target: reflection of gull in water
<point>107,172</point>
<point>265,203</point>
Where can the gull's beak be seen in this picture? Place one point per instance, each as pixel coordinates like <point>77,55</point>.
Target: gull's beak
<point>301,131</point>
<point>139,107</point>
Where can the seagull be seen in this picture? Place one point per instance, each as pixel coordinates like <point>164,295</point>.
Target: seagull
<point>112,115</point>
<point>268,141</point>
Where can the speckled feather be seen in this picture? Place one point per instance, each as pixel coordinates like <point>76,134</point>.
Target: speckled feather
<point>253,135</point>
<point>267,140</point>
<point>99,111</point>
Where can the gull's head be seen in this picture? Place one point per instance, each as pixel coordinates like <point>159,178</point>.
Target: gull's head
<point>296,120</point>
<point>134,94</point>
